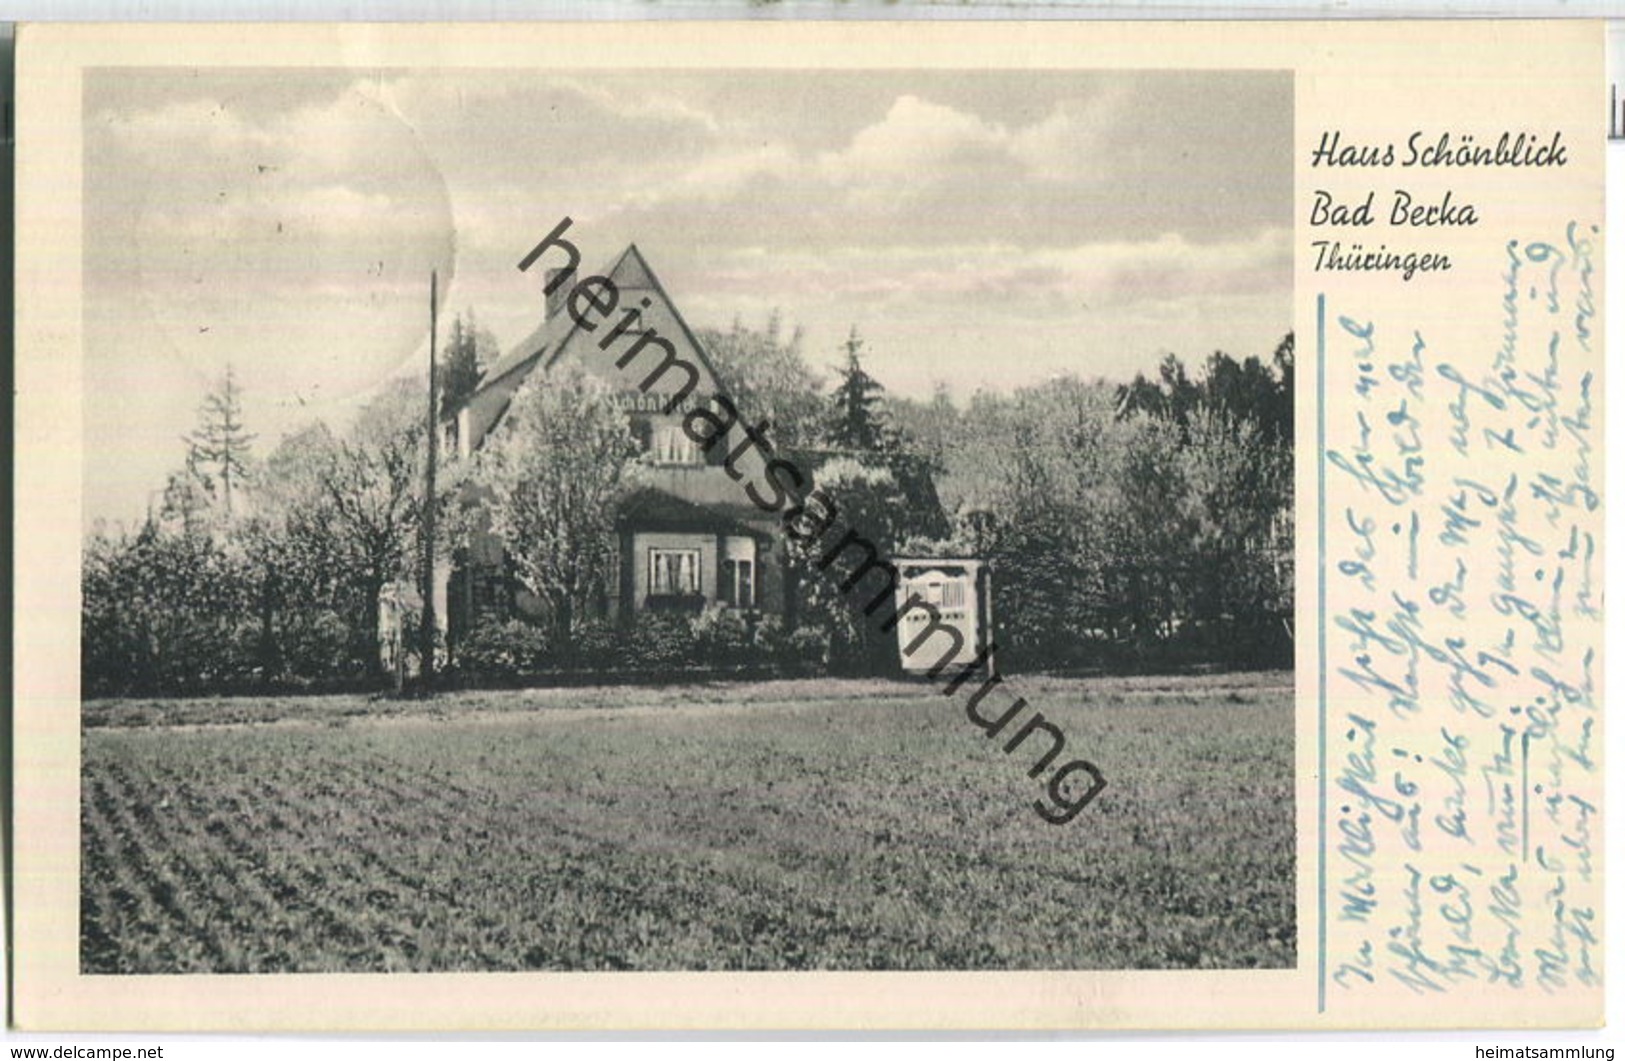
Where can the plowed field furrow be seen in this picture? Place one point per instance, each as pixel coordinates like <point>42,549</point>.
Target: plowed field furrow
<point>384,774</point>
<point>203,897</point>
<point>403,787</point>
<point>174,917</point>
<point>105,917</point>
<point>241,909</point>
<point>335,828</point>
<point>789,834</point>
<point>318,901</point>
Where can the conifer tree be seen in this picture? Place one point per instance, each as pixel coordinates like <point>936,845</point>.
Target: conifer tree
<point>856,420</point>
<point>469,349</point>
<point>218,449</point>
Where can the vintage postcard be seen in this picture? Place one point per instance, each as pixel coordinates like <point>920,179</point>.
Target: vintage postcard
<point>711,525</point>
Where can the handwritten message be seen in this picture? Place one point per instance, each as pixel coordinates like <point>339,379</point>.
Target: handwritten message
<point>1463,586</point>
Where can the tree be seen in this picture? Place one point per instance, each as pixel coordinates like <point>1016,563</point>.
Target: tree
<point>170,608</point>
<point>188,501</point>
<point>1035,480</point>
<point>1148,536</point>
<point>863,499</point>
<point>554,471</point>
<point>163,612</point>
<point>1240,481</point>
<point>932,427</point>
<point>1172,397</point>
<point>290,589</point>
<point>1245,390</point>
<point>366,493</point>
<point>218,450</point>
<point>856,421</point>
<point>470,350</point>
<point>1285,389</point>
<point>767,378</point>
<point>306,597</point>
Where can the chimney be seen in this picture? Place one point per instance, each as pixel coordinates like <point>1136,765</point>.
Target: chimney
<point>555,294</point>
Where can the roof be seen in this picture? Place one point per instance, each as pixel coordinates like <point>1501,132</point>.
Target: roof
<point>628,270</point>
<point>651,508</point>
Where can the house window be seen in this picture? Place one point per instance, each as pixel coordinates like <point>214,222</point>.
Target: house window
<point>670,444</point>
<point>739,583</point>
<point>674,572</point>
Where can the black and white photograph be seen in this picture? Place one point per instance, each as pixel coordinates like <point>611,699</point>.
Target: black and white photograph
<point>687,520</point>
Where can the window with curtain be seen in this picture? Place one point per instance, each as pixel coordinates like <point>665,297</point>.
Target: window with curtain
<point>670,444</point>
<point>674,572</point>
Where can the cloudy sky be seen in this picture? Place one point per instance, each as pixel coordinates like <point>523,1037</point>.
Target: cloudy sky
<point>984,229</point>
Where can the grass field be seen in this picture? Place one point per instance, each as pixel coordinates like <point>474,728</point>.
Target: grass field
<point>787,825</point>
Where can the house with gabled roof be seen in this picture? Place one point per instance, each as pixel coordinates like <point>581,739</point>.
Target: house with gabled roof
<point>689,535</point>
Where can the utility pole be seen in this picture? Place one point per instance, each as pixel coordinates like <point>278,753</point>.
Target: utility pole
<point>427,634</point>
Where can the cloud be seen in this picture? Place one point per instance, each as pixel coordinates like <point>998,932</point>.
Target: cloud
<point>640,104</point>
<point>507,98</point>
<point>296,243</point>
<point>940,171</point>
<point>915,142</point>
<point>1171,267</point>
<point>994,278</point>
<point>202,131</point>
<point>1072,141</point>
<point>351,135</point>
<point>911,199</point>
<point>726,173</point>
<point>520,127</point>
<point>922,142</point>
